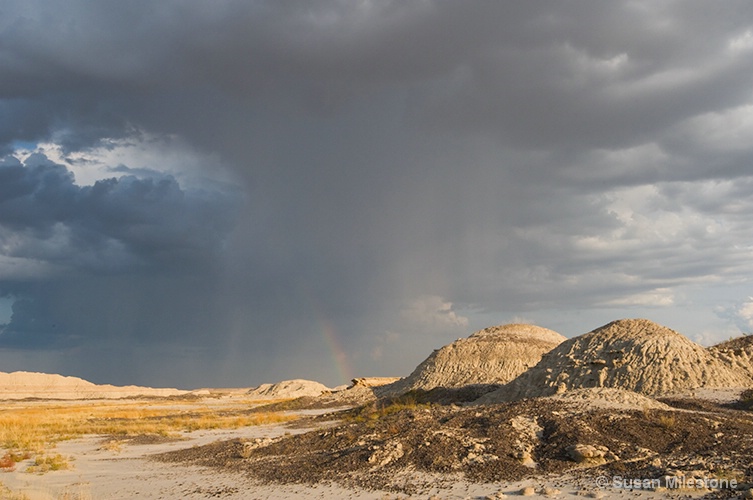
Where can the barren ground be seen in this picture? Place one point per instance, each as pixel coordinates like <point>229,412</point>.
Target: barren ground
<point>415,448</point>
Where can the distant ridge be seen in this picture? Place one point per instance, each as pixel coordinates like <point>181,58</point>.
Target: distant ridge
<point>22,385</point>
<point>288,389</point>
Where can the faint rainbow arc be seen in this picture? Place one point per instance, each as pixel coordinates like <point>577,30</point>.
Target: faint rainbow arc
<point>340,356</point>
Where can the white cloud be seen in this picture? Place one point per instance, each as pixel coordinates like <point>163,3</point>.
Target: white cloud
<point>727,131</point>
<point>434,312</point>
<point>745,313</point>
<point>659,297</point>
<point>139,154</point>
<point>741,43</point>
<point>740,314</point>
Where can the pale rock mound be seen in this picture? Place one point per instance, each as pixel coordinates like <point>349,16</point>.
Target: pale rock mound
<point>494,355</point>
<point>22,385</point>
<point>610,398</point>
<point>373,381</point>
<point>736,353</point>
<point>288,389</point>
<point>633,354</point>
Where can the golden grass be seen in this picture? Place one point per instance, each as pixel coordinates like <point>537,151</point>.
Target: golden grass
<point>46,463</point>
<point>376,410</point>
<point>7,494</point>
<point>37,427</point>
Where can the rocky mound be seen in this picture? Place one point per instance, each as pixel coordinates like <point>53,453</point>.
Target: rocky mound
<point>22,385</point>
<point>736,353</point>
<point>633,354</point>
<point>411,449</point>
<point>494,355</point>
<point>609,398</point>
<point>288,389</point>
<point>372,381</point>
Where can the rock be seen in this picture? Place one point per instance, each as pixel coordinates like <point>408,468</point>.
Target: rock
<point>525,458</point>
<point>495,496</point>
<point>390,452</point>
<point>473,458</point>
<point>528,491</point>
<point>249,446</point>
<point>373,381</point>
<point>590,454</point>
<point>548,491</point>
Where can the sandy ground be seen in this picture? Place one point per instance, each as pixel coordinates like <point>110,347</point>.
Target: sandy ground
<point>100,473</point>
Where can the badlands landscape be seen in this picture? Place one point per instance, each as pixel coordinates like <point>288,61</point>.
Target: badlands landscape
<point>631,409</point>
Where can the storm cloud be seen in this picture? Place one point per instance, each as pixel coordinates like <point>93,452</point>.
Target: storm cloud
<point>239,192</point>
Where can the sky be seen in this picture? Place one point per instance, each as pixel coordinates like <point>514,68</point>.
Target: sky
<point>226,193</point>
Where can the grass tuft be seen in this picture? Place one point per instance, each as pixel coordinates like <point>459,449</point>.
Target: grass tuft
<point>46,463</point>
<point>377,410</point>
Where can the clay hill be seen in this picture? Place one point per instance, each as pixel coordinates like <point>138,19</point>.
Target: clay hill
<point>737,353</point>
<point>633,354</point>
<point>288,389</point>
<point>494,355</point>
<point>21,385</point>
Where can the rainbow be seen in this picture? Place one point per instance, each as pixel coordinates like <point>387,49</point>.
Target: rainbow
<point>339,356</point>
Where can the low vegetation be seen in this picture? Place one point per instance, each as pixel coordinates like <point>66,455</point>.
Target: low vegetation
<point>46,463</point>
<point>7,494</point>
<point>377,410</point>
<point>31,429</point>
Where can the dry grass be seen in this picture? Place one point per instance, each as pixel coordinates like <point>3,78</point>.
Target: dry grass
<point>379,409</point>
<point>46,463</point>
<point>667,421</point>
<point>37,427</point>
<point>7,494</point>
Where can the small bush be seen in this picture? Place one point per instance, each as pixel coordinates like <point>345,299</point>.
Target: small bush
<point>746,400</point>
<point>377,410</point>
<point>114,445</point>
<point>46,463</point>
<point>667,421</point>
<point>7,463</point>
<point>10,459</point>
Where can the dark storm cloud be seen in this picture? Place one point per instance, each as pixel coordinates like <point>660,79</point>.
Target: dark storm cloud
<point>395,156</point>
<point>118,238</point>
<point>537,74</point>
<point>124,222</point>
